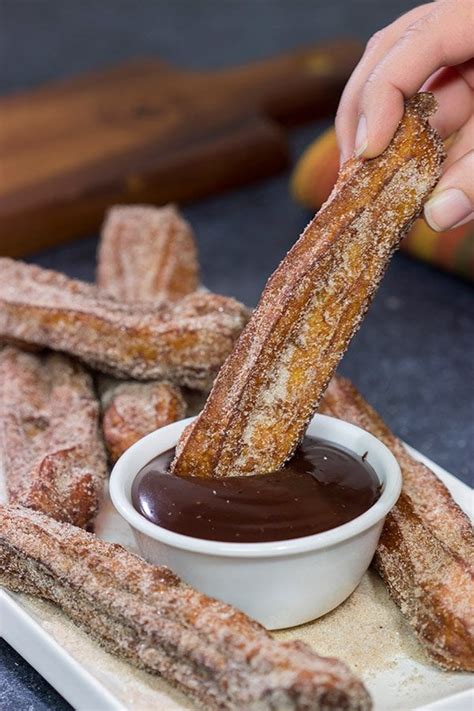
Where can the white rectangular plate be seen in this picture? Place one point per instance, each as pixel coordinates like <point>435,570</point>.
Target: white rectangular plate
<point>367,632</point>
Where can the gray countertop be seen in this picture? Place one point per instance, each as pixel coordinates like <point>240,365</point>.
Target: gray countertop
<point>413,357</point>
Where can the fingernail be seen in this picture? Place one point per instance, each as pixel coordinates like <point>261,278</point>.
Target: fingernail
<point>447,208</point>
<point>342,159</point>
<point>361,139</point>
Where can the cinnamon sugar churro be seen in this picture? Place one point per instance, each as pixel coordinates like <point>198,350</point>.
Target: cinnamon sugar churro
<point>270,386</point>
<point>147,254</point>
<point>146,615</point>
<point>184,342</point>
<point>426,551</point>
<point>52,452</point>
<point>433,588</point>
<point>131,410</point>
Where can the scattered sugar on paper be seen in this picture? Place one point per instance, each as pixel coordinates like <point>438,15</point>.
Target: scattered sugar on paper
<point>367,631</point>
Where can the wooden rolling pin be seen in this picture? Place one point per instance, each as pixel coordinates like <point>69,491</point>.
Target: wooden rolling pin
<point>148,132</point>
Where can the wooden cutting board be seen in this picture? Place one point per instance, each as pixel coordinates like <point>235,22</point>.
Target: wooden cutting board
<point>149,132</point>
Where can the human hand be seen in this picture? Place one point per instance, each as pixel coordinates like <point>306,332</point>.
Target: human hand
<point>430,48</point>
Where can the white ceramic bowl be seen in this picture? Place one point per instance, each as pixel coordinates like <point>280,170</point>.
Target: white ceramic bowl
<point>280,584</point>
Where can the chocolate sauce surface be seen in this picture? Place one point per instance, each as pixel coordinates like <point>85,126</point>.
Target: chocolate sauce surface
<point>321,487</point>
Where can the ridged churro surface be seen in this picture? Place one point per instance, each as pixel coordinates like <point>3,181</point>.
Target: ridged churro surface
<point>132,410</point>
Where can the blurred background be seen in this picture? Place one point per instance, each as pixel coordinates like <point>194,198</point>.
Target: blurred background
<point>413,358</point>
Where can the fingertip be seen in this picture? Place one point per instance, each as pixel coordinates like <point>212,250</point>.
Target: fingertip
<point>373,150</point>
<point>361,138</point>
<point>344,151</point>
<point>370,146</point>
<point>343,139</point>
<point>382,105</point>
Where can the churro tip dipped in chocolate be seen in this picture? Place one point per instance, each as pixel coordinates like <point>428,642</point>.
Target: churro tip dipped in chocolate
<point>131,410</point>
<point>269,387</point>
<point>217,655</point>
<point>185,342</point>
<point>51,448</point>
<point>147,253</point>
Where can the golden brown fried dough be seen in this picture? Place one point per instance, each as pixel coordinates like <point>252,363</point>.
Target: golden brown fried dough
<point>426,551</point>
<point>146,254</point>
<point>132,410</point>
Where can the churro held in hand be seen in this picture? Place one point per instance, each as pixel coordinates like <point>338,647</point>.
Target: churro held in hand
<point>270,386</point>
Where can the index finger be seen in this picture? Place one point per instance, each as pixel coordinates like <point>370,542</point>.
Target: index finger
<point>378,45</point>
<point>443,37</point>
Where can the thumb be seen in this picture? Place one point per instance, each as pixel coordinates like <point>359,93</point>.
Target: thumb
<point>452,203</point>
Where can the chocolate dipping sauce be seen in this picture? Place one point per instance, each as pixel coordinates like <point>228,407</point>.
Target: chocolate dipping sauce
<point>321,487</point>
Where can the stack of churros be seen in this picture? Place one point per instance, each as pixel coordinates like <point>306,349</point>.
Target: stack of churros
<point>147,320</point>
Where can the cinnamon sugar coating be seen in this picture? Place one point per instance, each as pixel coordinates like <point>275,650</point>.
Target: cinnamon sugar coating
<point>270,386</point>
<point>426,551</point>
<point>147,254</point>
<point>145,614</point>
<point>184,342</point>
<point>132,410</point>
<point>50,443</point>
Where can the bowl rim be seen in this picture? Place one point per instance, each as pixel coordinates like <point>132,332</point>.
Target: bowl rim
<point>123,473</point>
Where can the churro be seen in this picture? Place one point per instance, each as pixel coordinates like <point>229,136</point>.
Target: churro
<point>426,551</point>
<point>185,342</point>
<point>146,254</point>
<point>433,588</point>
<point>131,410</point>
<point>430,497</point>
<point>145,614</point>
<point>50,444</point>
